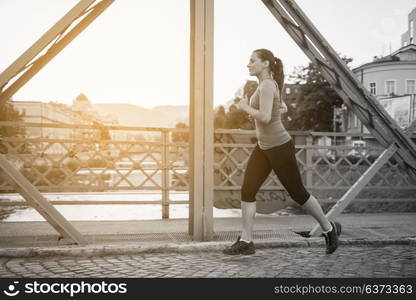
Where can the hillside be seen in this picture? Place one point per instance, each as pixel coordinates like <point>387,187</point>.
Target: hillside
<point>134,115</point>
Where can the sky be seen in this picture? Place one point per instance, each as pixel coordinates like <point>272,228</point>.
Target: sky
<point>137,51</point>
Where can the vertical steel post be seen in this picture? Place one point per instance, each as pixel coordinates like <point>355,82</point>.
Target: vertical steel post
<point>165,174</point>
<point>301,140</point>
<point>209,122</point>
<point>309,154</point>
<point>201,120</point>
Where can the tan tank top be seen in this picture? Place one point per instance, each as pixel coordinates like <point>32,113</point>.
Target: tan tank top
<point>273,133</point>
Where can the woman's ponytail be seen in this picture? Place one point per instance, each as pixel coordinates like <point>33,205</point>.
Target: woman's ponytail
<point>277,72</point>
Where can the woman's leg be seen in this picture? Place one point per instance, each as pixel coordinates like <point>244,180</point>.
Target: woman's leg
<point>258,169</point>
<point>248,211</point>
<point>313,208</point>
<point>284,164</point>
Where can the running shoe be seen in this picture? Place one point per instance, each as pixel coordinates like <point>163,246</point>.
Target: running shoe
<point>338,227</point>
<point>240,247</point>
<point>331,239</point>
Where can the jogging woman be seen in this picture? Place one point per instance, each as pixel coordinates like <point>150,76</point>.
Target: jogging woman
<point>275,150</point>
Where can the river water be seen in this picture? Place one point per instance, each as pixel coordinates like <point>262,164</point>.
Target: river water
<point>110,211</point>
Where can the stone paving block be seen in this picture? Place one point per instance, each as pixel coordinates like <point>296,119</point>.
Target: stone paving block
<point>392,260</point>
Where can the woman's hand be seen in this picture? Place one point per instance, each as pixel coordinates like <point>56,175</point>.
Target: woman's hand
<point>243,103</point>
<point>283,107</point>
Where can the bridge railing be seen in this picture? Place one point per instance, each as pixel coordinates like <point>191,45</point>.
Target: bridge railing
<point>59,158</point>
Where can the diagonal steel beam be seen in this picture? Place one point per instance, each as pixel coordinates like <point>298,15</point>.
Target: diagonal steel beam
<point>24,69</point>
<point>38,202</point>
<point>57,38</point>
<point>335,71</point>
<point>357,187</point>
<point>355,96</point>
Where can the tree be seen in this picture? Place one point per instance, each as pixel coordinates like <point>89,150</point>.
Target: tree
<point>235,118</point>
<point>238,119</point>
<point>178,137</point>
<point>104,132</point>
<point>9,113</point>
<point>315,104</point>
<point>220,118</point>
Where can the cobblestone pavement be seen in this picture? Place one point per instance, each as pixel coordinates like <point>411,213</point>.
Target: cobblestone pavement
<point>347,261</point>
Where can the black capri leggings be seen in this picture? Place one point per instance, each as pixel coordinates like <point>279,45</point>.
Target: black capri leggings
<point>282,160</point>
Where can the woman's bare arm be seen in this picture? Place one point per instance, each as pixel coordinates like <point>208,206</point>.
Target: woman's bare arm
<point>264,113</point>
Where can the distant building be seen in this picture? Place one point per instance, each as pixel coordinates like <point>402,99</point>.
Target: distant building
<point>408,37</point>
<point>392,80</point>
<point>80,113</point>
<point>391,75</point>
<point>291,93</point>
<point>81,103</point>
<point>44,113</point>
